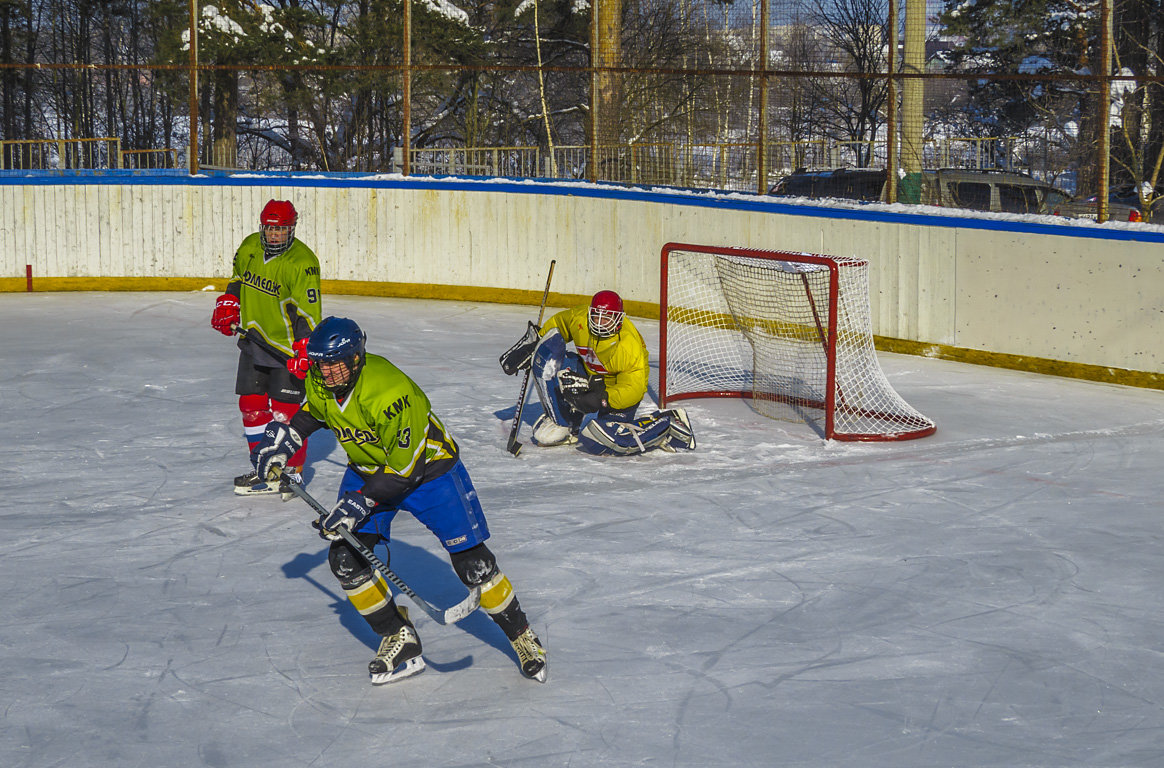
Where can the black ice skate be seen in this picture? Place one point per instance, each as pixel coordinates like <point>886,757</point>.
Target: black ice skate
<point>250,485</point>
<point>399,657</point>
<point>530,655</point>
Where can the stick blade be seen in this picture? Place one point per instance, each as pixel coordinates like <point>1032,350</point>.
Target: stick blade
<point>465,608</point>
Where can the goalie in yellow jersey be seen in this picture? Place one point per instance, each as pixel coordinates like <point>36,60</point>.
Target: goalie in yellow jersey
<point>400,457</point>
<point>590,396</point>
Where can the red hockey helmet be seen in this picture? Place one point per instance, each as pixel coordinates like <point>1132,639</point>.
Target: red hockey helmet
<point>278,213</point>
<point>605,318</point>
<point>277,226</point>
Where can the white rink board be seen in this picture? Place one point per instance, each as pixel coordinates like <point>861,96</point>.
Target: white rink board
<point>1046,288</point>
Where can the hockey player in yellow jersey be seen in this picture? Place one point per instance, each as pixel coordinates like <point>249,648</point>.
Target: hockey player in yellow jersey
<point>400,457</point>
<point>273,301</point>
<point>590,395</point>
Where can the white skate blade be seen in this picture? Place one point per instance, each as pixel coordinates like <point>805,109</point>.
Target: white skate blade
<point>413,666</point>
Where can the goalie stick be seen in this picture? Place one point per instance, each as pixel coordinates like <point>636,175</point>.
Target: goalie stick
<point>513,446</point>
<point>460,611</point>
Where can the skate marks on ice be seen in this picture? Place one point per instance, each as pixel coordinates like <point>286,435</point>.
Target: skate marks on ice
<point>985,597</point>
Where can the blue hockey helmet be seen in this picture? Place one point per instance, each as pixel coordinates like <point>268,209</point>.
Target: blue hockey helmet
<point>337,345</point>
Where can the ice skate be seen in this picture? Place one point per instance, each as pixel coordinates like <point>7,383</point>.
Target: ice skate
<point>399,657</point>
<point>530,655</point>
<point>548,433</point>
<point>250,485</point>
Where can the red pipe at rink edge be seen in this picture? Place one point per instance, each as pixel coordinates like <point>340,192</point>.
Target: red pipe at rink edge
<point>28,276</point>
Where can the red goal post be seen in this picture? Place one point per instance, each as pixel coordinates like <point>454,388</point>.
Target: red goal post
<point>791,331</point>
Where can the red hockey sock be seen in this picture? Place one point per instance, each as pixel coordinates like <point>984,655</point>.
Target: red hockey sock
<point>256,415</point>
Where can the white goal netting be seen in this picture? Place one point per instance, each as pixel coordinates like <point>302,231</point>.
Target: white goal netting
<point>791,331</point>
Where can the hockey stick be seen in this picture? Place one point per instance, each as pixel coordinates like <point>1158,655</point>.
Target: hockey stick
<point>242,333</point>
<point>452,615</point>
<point>513,446</point>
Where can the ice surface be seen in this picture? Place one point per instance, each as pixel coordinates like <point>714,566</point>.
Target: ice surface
<point>988,596</point>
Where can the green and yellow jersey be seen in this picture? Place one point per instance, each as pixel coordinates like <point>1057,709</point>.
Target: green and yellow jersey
<point>621,359</point>
<point>387,428</point>
<point>279,298</point>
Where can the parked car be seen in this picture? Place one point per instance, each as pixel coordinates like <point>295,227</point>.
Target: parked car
<point>1123,204</point>
<point>979,190</point>
<point>845,183</point>
<point>991,190</point>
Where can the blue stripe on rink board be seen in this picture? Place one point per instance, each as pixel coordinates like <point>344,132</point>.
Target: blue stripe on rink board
<point>738,201</point>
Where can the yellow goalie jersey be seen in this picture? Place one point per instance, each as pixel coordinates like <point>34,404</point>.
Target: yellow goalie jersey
<point>621,359</point>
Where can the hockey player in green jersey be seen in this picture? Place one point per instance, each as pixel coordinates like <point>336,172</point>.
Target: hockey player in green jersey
<point>400,457</point>
<point>605,379</point>
<point>273,302</point>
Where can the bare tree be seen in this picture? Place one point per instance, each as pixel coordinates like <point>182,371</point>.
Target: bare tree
<point>850,105</point>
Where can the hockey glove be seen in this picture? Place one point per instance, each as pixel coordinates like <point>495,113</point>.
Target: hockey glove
<point>352,509</point>
<point>274,449</point>
<point>518,357</point>
<point>226,314</point>
<point>574,383</point>
<point>299,365</point>
<point>588,401</point>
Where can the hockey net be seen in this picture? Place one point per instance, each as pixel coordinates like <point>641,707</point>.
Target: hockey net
<point>791,331</point>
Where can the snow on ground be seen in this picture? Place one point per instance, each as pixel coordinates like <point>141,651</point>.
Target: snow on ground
<point>987,596</point>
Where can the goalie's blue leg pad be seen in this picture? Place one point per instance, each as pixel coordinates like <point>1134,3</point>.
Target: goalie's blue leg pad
<point>549,355</point>
<point>549,359</point>
<point>680,435</point>
<point>609,437</point>
<point>551,398</point>
<point>669,430</point>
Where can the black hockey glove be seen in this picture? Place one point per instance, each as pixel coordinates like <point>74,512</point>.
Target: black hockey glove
<point>518,357</point>
<point>583,401</point>
<point>573,383</point>
<point>352,509</point>
<point>274,449</point>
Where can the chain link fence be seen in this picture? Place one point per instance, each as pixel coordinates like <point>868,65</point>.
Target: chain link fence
<point>646,92</point>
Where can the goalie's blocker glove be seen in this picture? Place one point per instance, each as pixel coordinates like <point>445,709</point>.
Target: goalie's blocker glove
<point>274,449</point>
<point>584,394</point>
<point>518,357</point>
<point>352,509</point>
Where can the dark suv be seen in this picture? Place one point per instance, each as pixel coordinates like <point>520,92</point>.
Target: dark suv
<point>847,183</point>
<point>976,190</point>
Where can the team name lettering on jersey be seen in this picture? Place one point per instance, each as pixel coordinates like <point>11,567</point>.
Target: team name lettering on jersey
<point>359,436</point>
<point>311,271</point>
<point>259,283</point>
<point>394,410</point>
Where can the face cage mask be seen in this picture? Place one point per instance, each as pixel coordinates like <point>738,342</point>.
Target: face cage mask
<point>604,323</point>
<point>339,391</point>
<point>275,250</point>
